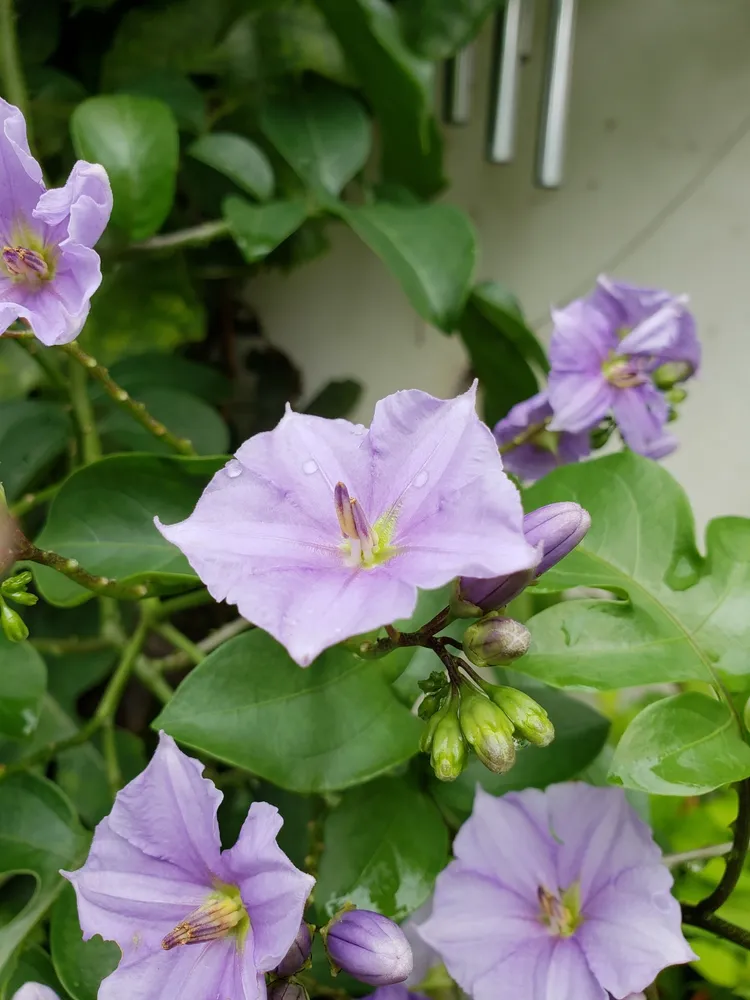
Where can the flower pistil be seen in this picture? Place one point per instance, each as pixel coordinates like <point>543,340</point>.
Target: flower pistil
<point>560,913</point>
<point>363,544</point>
<point>221,914</point>
<point>21,262</point>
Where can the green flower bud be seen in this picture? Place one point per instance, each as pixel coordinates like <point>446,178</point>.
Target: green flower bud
<point>429,705</point>
<point>18,582</point>
<point>449,755</point>
<point>13,625</point>
<point>675,396</point>
<point>428,733</point>
<point>669,374</point>
<point>488,731</point>
<point>496,640</point>
<point>437,681</point>
<point>529,719</point>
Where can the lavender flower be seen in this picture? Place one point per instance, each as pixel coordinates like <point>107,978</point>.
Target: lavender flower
<point>157,882</point>
<point>603,352</point>
<point>398,992</point>
<point>320,529</point>
<point>555,893</point>
<point>369,947</point>
<point>545,450</point>
<point>48,271</point>
<point>35,991</point>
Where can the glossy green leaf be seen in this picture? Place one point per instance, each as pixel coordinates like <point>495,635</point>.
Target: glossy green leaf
<point>436,29</point>
<point>398,86</point>
<point>81,965</point>
<point>39,834</point>
<point>135,138</point>
<point>33,966</point>
<point>144,306</point>
<point>580,734</point>
<point>104,517</point>
<point>23,681</point>
<point>171,371</point>
<point>237,158</point>
<point>676,616</point>
<point>186,102</point>
<point>33,433</point>
<point>385,844</point>
<point>323,133</point>
<point>333,725</point>
<point>430,249</point>
<point>19,373</point>
<point>684,745</point>
<point>337,398</point>
<point>259,229</point>
<point>503,310</point>
<point>185,415</point>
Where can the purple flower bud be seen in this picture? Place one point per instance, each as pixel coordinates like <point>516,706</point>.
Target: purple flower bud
<point>297,956</point>
<point>369,947</point>
<point>554,530</point>
<point>284,990</point>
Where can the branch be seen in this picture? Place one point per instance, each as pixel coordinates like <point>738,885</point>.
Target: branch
<point>91,449</point>
<point>710,922</point>
<point>700,854</point>
<point>206,232</point>
<point>74,571</point>
<point>524,437</point>
<point>735,857</point>
<point>10,61</point>
<point>31,500</point>
<point>177,661</point>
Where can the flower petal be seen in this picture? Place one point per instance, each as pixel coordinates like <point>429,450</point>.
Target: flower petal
<point>550,971</point>
<point>579,401</point>
<point>582,338</point>
<point>641,413</point>
<point>20,175</point>
<point>35,991</point>
<point>169,812</point>
<point>81,209</point>
<point>273,890</point>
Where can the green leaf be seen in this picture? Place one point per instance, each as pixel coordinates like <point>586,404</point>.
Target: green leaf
<point>684,745</point>
<point>385,845</point>
<point>81,965</point>
<point>337,398</point>
<point>437,29</point>
<point>171,372</point>
<point>183,414</point>
<point>398,86</point>
<point>259,229</point>
<point>39,835</point>
<point>19,373</point>
<point>323,133</point>
<point>333,725</point>
<point>503,310</point>
<point>103,516</point>
<point>237,158</point>
<point>430,249</point>
<point>34,966</point>
<point>23,681</point>
<point>580,734</point>
<point>179,93</point>
<point>32,435</point>
<point>144,306</point>
<point>135,138</point>
<point>504,374</point>
<point>676,617</point>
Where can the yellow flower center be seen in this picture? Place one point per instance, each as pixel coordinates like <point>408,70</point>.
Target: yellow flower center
<point>222,913</point>
<point>364,545</point>
<point>561,911</point>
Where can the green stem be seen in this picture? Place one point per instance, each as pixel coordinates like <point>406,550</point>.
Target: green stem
<point>183,602</point>
<point>206,232</point>
<point>180,641</point>
<point>71,644</point>
<point>42,356</point>
<point>111,760</point>
<point>46,753</point>
<point>71,568</point>
<point>180,660</point>
<point>524,437</point>
<point>113,693</point>
<point>136,410</point>
<point>710,922</point>
<point>14,83</point>
<point>736,857</point>
<point>150,678</point>
<point>31,500</point>
<point>84,413</point>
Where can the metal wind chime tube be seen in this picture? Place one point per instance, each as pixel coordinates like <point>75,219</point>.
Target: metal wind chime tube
<point>459,77</point>
<point>501,144</point>
<point>556,95</point>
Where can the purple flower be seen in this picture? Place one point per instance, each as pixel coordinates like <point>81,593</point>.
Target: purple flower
<point>35,991</point>
<point>603,352</point>
<point>369,947</point>
<point>191,920</point>
<point>547,449</point>
<point>560,893</point>
<point>320,529</point>
<point>48,271</point>
<point>398,992</point>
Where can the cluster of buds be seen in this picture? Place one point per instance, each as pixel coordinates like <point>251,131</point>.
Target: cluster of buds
<point>14,589</point>
<point>285,986</point>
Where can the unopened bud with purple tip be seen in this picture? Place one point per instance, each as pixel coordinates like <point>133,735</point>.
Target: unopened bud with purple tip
<point>284,990</point>
<point>298,956</point>
<point>496,640</point>
<point>554,530</point>
<point>369,947</point>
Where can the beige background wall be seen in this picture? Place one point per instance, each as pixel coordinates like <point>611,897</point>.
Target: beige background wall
<point>657,191</point>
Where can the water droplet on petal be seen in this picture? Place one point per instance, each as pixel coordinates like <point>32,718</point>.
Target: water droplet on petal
<point>360,429</point>
<point>233,469</point>
<point>421,478</point>
<point>310,467</point>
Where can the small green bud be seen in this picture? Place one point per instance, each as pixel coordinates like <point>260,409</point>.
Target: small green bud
<point>529,719</point>
<point>496,640</point>
<point>22,597</point>
<point>13,625</point>
<point>18,582</point>
<point>437,681</point>
<point>430,704</point>
<point>601,434</point>
<point>449,754</point>
<point>488,731</point>
<point>428,733</point>
<point>669,374</point>
<point>675,396</point>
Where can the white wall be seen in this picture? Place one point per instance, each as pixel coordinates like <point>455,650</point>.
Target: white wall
<point>657,191</point>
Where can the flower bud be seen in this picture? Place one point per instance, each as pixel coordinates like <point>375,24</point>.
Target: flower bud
<point>14,583</point>
<point>675,396</point>
<point>529,719</point>
<point>495,640</point>
<point>554,530</point>
<point>298,956</point>
<point>488,731</point>
<point>369,947</point>
<point>437,681</point>
<point>284,990</point>
<point>429,705</point>
<point>13,625</point>
<point>671,373</point>
<point>449,755</point>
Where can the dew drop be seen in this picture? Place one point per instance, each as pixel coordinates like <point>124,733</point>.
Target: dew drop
<point>233,469</point>
<point>421,478</point>
<point>310,467</point>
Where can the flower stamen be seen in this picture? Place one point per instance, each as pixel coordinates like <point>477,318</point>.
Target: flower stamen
<point>362,539</point>
<point>560,912</point>
<point>20,262</point>
<point>214,919</point>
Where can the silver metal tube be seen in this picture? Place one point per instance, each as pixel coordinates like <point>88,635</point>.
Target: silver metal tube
<point>556,96</point>
<point>459,78</point>
<point>526,30</point>
<point>501,142</point>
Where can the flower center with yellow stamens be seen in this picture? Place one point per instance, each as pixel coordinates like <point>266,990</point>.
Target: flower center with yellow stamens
<point>223,913</point>
<point>364,545</point>
<point>20,262</point>
<point>623,373</point>
<point>560,912</point>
